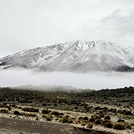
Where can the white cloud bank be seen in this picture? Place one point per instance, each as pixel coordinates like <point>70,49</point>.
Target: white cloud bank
<point>90,80</point>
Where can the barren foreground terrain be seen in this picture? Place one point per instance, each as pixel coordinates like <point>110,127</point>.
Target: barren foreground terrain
<point>67,112</point>
<point>18,126</point>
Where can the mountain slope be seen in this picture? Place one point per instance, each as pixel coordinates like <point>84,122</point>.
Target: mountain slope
<point>74,56</point>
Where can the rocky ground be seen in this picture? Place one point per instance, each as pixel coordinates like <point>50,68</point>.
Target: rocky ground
<point>19,126</point>
<point>57,112</point>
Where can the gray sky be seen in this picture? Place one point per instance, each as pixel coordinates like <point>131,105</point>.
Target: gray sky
<point>31,23</point>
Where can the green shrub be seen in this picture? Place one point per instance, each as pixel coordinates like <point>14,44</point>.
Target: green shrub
<point>1,105</point>
<point>4,111</point>
<point>29,114</point>
<point>91,119</point>
<point>102,115</point>
<point>113,110</point>
<point>65,120</point>
<point>105,109</point>
<point>120,120</point>
<point>120,111</point>
<point>55,113</point>
<point>85,118</point>
<point>80,118</point>
<point>48,118</point>
<point>83,123</point>
<point>44,104</point>
<point>128,125</point>
<point>127,112</point>
<point>9,108</point>
<point>119,126</point>
<point>13,105</point>
<point>17,113</point>
<point>107,117</point>
<point>89,125</point>
<point>98,121</point>
<point>27,109</point>
<point>45,111</point>
<point>94,117</point>
<point>97,108</point>
<point>107,124</point>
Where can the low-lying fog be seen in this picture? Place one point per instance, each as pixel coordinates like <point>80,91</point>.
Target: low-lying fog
<point>91,80</point>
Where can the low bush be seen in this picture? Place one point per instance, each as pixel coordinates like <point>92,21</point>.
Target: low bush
<point>29,115</point>
<point>1,105</point>
<point>17,113</point>
<point>128,125</point>
<point>89,125</point>
<point>9,108</point>
<point>13,105</point>
<point>45,111</point>
<point>4,111</point>
<point>55,113</point>
<point>107,124</point>
<point>48,118</point>
<point>119,126</point>
<point>85,118</point>
<point>120,120</point>
<point>44,104</point>
<point>66,120</point>
<point>127,112</point>
<point>107,117</point>
<point>98,121</point>
<point>94,117</point>
<point>102,115</point>
<point>27,109</point>
<point>97,108</point>
<point>113,110</point>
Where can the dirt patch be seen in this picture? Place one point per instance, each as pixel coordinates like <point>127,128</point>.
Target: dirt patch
<point>19,126</point>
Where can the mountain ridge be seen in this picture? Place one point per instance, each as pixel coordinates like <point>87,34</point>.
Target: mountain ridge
<point>78,56</point>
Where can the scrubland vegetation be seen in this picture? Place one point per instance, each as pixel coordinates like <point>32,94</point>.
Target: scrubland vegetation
<point>108,110</point>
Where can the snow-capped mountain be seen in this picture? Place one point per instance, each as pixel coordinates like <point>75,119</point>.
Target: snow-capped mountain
<point>79,56</point>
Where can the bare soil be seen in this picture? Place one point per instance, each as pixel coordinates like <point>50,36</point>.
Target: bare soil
<point>19,126</point>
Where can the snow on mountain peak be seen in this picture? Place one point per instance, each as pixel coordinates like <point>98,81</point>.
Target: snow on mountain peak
<point>78,56</point>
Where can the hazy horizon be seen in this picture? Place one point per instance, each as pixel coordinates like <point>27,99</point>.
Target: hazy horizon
<point>91,80</point>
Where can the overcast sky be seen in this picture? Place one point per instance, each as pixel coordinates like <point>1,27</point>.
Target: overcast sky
<point>31,23</point>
